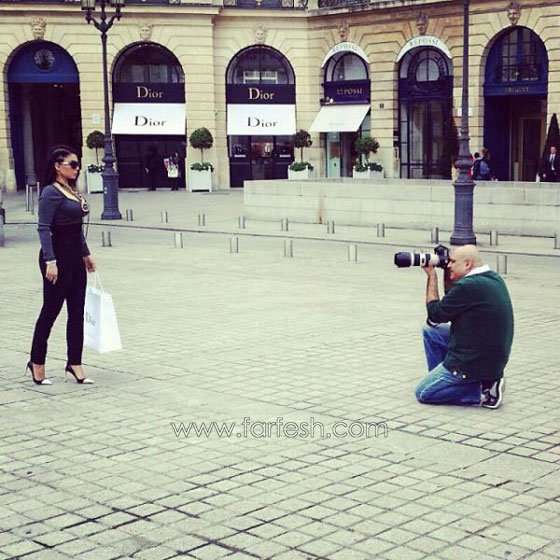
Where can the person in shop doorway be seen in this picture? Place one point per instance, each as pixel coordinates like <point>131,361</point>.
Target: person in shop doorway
<point>174,172</point>
<point>550,166</point>
<point>482,169</point>
<point>153,166</point>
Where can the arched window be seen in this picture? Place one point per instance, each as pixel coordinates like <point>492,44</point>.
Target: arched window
<point>424,66</point>
<point>260,65</point>
<point>343,67</point>
<point>148,64</point>
<point>517,57</point>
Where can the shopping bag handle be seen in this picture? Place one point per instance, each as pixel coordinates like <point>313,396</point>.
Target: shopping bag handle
<point>97,281</point>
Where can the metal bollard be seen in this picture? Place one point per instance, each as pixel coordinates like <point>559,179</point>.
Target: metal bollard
<point>202,219</point>
<point>330,226</point>
<point>493,237</point>
<point>32,200</point>
<point>241,222</point>
<point>178,240</point>
<point>106,239</point>
<point>27,198</point>
<point>434,235</point>
<point>284,224</point>
<point>234,244</point>
<point>353,253</point>
<point>380,230</point>
<point>501,264</point>
<point>288,248</point>
<point>164,217</point>
<point>2,237</point>
<point>129,216</point>
<point>557,241</point>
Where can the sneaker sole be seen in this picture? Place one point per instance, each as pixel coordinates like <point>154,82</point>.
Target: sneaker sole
<point>500,386</point>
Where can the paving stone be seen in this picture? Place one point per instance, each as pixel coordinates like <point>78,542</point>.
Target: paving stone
<point>218,338</point>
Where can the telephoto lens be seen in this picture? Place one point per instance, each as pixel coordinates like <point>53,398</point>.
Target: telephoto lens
<point>440,258</point>
<point>404,260</point>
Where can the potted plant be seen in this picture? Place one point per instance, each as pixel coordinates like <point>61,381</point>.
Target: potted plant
<point>301,169</point>
<point>366,145</point>
<point>95,141</point>
<point>200,174</point>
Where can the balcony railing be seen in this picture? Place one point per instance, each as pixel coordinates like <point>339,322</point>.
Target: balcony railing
<point>342,3</point>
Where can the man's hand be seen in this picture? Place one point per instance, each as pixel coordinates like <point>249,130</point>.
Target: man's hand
<point>432,293</point>
<point>89,263</point>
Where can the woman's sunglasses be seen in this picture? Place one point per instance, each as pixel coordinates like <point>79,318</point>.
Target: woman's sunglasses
<point>72,164</point>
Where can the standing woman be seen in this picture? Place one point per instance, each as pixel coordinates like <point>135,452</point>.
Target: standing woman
<point>63,260</point>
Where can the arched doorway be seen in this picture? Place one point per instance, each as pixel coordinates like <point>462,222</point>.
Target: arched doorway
<point>149,116</point>
<point>261,115</point>
<point>345,106</point>
<point>44,97</point>
<point>427,136</point>
<point>515,94</point>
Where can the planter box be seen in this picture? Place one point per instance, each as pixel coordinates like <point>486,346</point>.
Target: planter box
<point>369,174</point>
<point>200,180</point>
<point>301,175</point>
<point>94,182</point>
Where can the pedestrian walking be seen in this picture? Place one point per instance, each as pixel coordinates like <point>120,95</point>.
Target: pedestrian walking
<point>550,166</point>
<point>154,167</point>
<point>64,259</point>
<point>482,168</point>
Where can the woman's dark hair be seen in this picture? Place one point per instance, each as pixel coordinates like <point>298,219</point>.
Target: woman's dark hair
<point>56,155</point>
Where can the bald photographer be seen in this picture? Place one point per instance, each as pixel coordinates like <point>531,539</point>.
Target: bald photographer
<point>469,332</point>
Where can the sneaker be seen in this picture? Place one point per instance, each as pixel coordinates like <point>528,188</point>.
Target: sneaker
<point>492,397</point>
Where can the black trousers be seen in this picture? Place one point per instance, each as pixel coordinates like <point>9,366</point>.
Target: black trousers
<point>70,287</point>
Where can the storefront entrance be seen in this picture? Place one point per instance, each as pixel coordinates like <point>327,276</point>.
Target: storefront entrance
<point>149,117</point>
<point>427,141</point>
<point>44,100</point>
<point>133,153</point>
<point>345,105</point>
<point>341,154</point>
<point>515,89</point>
<point>261,116</point>
<point>259,157</point>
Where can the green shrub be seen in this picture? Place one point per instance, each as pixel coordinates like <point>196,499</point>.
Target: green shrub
<point>204,166</point>
<point>366,145</point>
<point>302,139</point>
<point>94,141</point>
<point>300,166</point>
<point>93,168</point>
<point>201,139</point>
<point>361,167</point>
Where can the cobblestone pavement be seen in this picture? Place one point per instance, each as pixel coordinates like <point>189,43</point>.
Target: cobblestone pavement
<point>105,472</point>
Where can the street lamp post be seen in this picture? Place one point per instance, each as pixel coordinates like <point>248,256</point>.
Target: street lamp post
<point>110,175</point>
<point>464,185</point>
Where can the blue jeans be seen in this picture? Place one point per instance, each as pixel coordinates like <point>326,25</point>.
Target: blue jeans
<point>441,386</point>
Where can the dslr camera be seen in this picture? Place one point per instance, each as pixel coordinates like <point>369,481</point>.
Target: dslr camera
<point>439,258</point>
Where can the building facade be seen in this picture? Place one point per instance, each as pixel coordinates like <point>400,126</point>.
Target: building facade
<point>255,71</point>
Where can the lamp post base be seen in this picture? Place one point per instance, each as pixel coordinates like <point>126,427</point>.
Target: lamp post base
<point>110,195</point>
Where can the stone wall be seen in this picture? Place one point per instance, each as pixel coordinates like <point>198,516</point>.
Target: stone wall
<point>515,208</point>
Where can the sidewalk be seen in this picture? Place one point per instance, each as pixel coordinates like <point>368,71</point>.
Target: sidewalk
<point>223,208</point>
<point>104,471</point>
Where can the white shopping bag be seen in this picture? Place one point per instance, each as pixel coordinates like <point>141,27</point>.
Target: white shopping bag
<point>101,330</point>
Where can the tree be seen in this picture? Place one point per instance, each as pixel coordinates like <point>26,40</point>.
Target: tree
<point>553,136</point>
<point>201,139</point>
<point>366,145</point>
<point>302,139</point>
<point>95,141</point>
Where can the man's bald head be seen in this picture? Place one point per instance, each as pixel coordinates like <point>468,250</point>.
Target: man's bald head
<point>463,260</point>
<point>469,252</point>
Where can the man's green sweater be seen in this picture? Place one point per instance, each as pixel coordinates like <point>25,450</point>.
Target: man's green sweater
<point>481,315</point>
